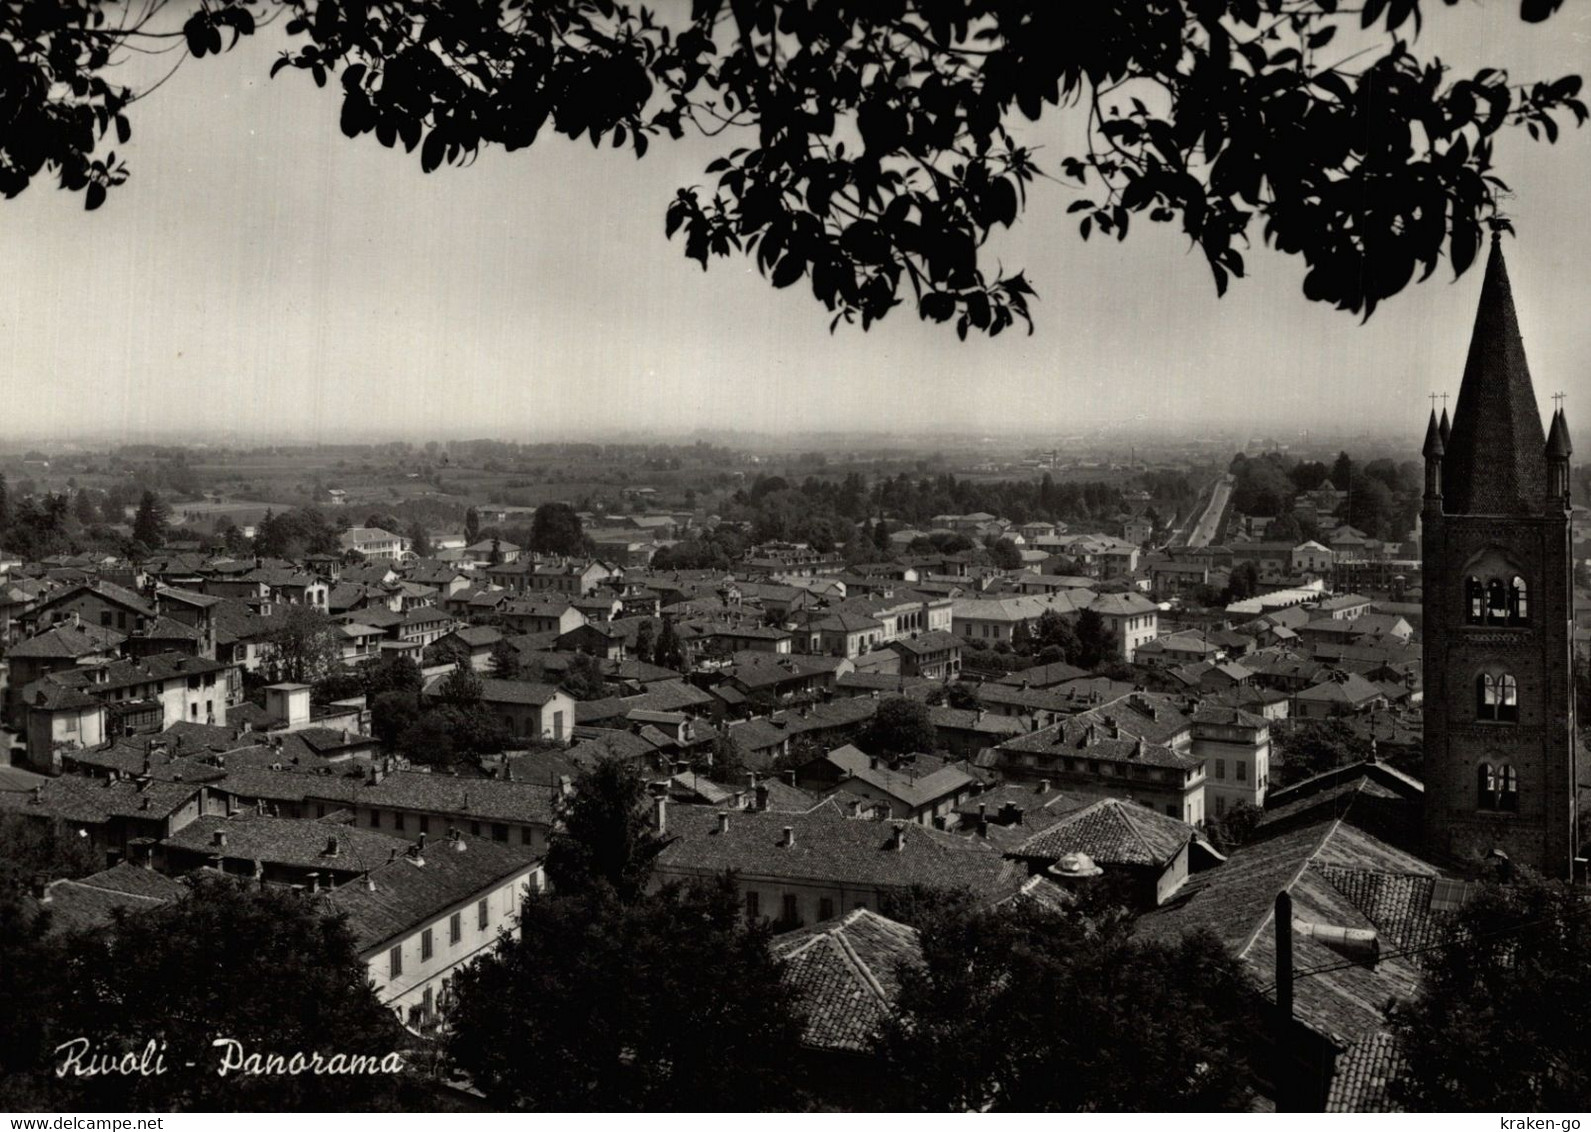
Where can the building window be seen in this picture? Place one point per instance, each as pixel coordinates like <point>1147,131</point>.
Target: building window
<point>1475,599</point>
<point>475,829</point>
<point>395,962</point>
<point>499,831</point>
<point>825,908</point>
<point>425,945</point>
<point>791,913</point>
<point>1241,768</point>
<point>1497,697</point>
<point>397,820</point>
<point>425,824</point>
<point>526,837</point>
<point>375,819</point>
<point>1518,601</point>
<point>1497,788</point>
<point>1496,600</point>
<point>753,906</point>
<point>455,927</point>
<point>1220,768</point>
<point>483,914</point>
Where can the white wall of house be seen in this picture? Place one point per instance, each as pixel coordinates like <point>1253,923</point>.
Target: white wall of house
<point>412,972</point>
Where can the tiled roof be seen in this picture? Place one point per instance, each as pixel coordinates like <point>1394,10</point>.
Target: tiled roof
<point>845,976</point>
<point>89,902</point>
<point>1341,688</point>
<point>477,636</point>
<point>908,785</point>
<point>1112,832</point>
<point>1364,1073</point>
<point>981,722</point>
<point>51,695</point>
<point>95,801</point>
<point>403,894</point>
<point>516,692</point>
<point>936,641</point>
<point>480,799</point>
<point>109,591</point>
<point>831,848</point>
<point>67,642</point>
<point>1043,675</point>
<point>155,668</point>
<point>287,841</point>
<point>1342,1001</point>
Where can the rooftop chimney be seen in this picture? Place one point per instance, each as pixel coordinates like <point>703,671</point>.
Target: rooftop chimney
<point>660,813</point>
<point>787,841</point>
<point>723,822</point>
<point>897,837</point>
<point>220,839</point>
<point>331,846</point>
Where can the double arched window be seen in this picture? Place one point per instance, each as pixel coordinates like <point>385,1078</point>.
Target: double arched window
<point>1497,788</point>
<point>1497,601</point>
<point>1497,697</point>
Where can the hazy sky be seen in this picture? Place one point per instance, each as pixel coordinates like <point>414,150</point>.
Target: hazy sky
<point>263,274</point>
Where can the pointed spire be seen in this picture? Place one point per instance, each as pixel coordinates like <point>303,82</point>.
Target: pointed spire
<point>1558,446</point>
<point>1446,427</point>
<point>1496,453</point>
<point>1433,440</point>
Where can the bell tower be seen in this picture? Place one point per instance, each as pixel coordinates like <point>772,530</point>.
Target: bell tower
<point>1500,747</point>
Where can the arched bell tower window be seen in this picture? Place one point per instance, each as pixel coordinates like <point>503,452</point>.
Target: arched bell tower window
<point>1497,697</point>
<point>1497,788</point>
<point>1496,601</point>
<point>1496,594</point>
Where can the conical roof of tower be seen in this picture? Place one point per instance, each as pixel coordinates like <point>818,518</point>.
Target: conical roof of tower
<point>1496,457</point>
<point>1446,427</point>
<point>1433,439</point>
<point>1558,446</point>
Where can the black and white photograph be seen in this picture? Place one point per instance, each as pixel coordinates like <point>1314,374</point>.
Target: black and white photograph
<point>794,556</point>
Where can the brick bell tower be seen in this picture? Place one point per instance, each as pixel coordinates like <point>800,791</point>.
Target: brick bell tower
<point>1498,576</point>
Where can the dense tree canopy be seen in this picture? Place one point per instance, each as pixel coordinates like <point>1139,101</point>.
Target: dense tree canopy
<point>667,1003</point>
<point>1500,1023</point>
<point>265,968</point>
<point>555,529</point>
<point>1025,1010</point>
<point>901,726</point>
<point>868,150</point>
<point>605,842</point>
<point>303,644</point>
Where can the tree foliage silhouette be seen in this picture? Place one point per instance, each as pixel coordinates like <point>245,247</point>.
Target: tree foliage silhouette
<point>869,149</point>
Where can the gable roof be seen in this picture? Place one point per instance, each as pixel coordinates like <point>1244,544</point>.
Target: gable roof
<point>67,642</point>
<point>90,902</point>
<point>829,847</point>
<point>403,893</point>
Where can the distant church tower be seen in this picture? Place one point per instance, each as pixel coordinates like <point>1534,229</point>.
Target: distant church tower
<point>1499,698</point>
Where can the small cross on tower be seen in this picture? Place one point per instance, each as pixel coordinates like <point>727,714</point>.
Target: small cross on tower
<point>1557,401</point>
